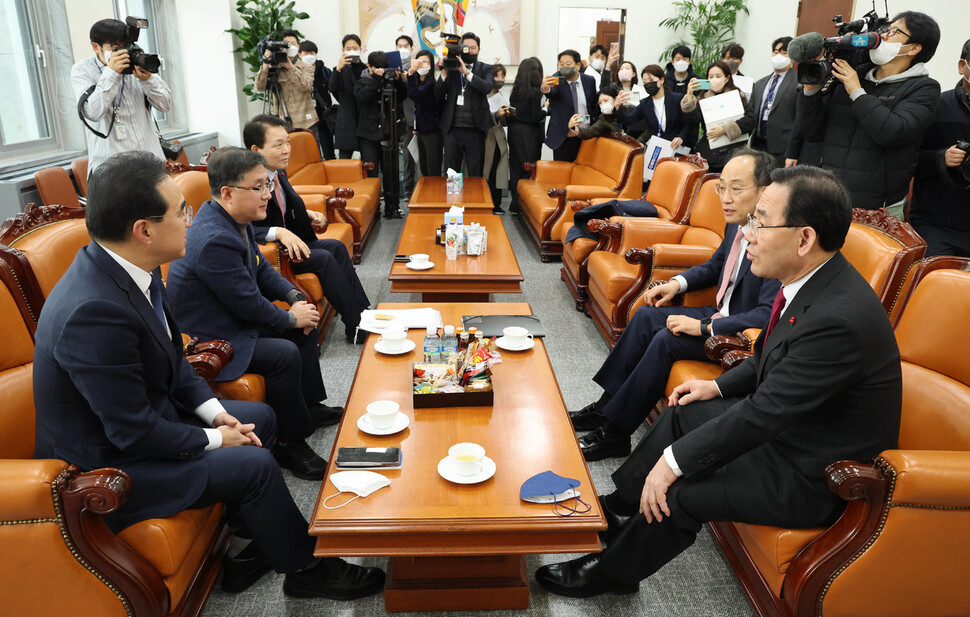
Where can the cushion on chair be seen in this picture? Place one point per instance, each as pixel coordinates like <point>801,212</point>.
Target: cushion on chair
<point>303,153</point>
<point>773,548</point>
<point>575,252</point>
<point>871,252</point>
<point>195,188</point>
<point>343,233</point>
<point>249,387</point>
<point>49,266</point>
<point>684,370</point>
<point>611,274</point>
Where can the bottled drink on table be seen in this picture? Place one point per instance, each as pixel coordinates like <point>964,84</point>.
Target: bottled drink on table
<point>449,343</point>
<point>432,345</point>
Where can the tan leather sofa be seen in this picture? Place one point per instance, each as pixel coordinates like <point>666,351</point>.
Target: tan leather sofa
<point>59,558</point>
<point>608,167</point>
<point>900,548</point>
<point>667,192</point>
<point>311,176</point>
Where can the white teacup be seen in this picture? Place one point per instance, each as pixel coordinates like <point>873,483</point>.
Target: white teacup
<point>382,413</point>
<point>466,458</point>
<point>419,259</point>
<point>516,336</point>
<point>393,339</point>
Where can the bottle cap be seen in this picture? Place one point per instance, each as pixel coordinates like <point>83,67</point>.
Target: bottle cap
<point>449,330</point>
<point>432,331</point>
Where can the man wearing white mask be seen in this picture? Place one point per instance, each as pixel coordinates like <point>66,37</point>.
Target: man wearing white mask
<point>772,109</point>
<point>295,79</point>
<point>596,65</point>
<point>405,45</point>
<point>871,127</point>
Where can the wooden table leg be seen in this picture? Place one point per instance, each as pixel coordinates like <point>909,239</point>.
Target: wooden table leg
<point>454,297</point>
<point>456,583</point>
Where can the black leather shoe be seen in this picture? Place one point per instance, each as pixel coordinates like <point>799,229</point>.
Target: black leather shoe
<point>615,522</point>
<point>588,418</point>
<point>598,445</point>
<point>240,572</point>
<point>335,579</point>
<point>393,214</point>
<point>498,210</point>
<point>299,458</point>
<point>580,578</point>
<point>325,415</point>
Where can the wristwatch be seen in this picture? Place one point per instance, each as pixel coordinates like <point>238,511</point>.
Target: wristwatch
<point>706,329</point>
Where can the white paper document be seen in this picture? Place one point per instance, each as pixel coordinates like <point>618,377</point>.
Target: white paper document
<point>658,148</point>
<point>720,110</point>
<point>401,318</point>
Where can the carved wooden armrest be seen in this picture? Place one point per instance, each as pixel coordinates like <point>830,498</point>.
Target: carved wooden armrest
<point>560,196</point>
<point>734,358</point>
<point>368,165</point>
<point>208,358</point>
<point>644,259</point>
<point>610,234</point>
<point>719,344</point>
<point>677,300</point>
<point>337,206</point>
<point>579,204</point>
<point>531,168</point>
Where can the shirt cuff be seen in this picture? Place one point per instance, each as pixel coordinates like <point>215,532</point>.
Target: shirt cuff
<point>682,281</point>
<point>271,234</point>
<point>215,439</point>
<point>672,462</point>
<point>720,395</point>
<point>208,410</point>
<point>856,93</point>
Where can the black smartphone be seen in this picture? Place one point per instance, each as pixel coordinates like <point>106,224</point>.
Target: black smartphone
<point>402,259</point>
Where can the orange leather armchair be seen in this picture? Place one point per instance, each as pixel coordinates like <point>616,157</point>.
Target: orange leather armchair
<point>311,176</point>
<point>648,250</point>
<point>898,548</point>
<point>609,167</point>
<point>59,556</point>
<point>55,187</point>
<point>669,192</point>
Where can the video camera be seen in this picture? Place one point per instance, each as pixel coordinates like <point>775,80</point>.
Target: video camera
<point>137,55</point>
<point>855,40</point>
<point>276,49</point>
<point>451,51</point>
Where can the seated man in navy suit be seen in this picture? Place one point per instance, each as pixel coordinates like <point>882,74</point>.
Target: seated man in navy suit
<point>112,389</point>
<point>224,289</point>
<point>290,223</point>
<point>635,373</point>
<point>575,93</point>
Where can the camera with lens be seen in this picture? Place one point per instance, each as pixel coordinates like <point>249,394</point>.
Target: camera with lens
<point>137,55</point>
<point>451,51</point>
<point>853,43</point>
<point>277,51</point>
<point>965,165</point>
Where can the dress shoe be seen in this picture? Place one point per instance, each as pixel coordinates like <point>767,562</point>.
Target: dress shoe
<point>615,522</point>
<point>240,572</point>
<point>325,415</point>
<point>599,445</point>
<point>498,210</point>
<point>393,214</point>
<point>589,418</point>
<point>334,578</point>
<point>580,578</point>
<point>299,458</point>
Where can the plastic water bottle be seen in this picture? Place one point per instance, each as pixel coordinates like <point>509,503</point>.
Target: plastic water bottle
<point>432,346</point>
<point>449,343</point>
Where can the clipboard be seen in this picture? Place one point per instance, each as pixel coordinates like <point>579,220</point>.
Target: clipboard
<point>492,325</point>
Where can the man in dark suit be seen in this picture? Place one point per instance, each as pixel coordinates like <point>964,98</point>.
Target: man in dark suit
<point>465,118</point>
<point>772,109</point>
<point>635,373</point>
<point>290,223</point>
<point>112,389</point>
<point>752,446</point>
<point>569,92</point>
<point>223,289</point>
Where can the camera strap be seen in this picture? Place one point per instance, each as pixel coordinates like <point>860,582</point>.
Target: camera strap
<point>80,113</point>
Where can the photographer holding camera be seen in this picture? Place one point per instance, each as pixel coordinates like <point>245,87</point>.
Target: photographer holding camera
<point>461,93</point>
<point>872,126</point>
<point>293,101</point>
<point>115,89</point>
<point>940,210</point>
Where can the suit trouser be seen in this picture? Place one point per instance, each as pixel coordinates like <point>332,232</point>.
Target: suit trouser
<point>430,153</point>
<point>568,151</point>
<point>408,167</point>
<point>943,240</point>
<point>759,487</point>
<point>636,371</point>
<point>370,150</point>
<point>291,369</point>
<point>249,481</point>
<point>331,263</point>
<point>468,144</point>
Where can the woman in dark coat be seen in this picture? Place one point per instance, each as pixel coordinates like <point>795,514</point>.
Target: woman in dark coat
<point>427,118</point>
<point>526,124</point>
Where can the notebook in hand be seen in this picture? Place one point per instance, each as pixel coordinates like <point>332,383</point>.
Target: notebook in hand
<point>492,325</point>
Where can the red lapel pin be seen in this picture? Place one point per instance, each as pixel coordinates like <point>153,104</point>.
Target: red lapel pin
<point>792,321</point>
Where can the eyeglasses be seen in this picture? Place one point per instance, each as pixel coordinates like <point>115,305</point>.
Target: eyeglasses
<point>891,32</point>
<point>720,189</point>
<point>186,215</point>
<point>756,226</point>
<point>259,188</point>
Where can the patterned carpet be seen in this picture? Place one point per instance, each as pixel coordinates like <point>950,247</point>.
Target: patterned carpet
<point>697,584</point>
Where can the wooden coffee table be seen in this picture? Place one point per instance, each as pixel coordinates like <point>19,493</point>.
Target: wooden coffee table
<point>470,278</point>
<point>430,197</point>
<point>454,546</point>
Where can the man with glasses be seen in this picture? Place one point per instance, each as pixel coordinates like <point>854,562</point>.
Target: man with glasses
<point>752,446</point>
<point>871,125</point>
<point>112,389</point>
<point>635,373</point>
<point>224,289</point>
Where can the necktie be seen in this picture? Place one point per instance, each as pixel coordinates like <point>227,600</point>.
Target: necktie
<point>279,198</point>
<point>575,96</point>
<point>776,308</point>
<point>763,120</point>
<point>729,265</point>
<point>155,293</point>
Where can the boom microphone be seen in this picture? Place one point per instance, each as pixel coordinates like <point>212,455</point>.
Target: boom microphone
<point>806,47</point>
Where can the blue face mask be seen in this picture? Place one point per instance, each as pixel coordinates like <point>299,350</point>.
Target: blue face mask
<point>547,487</point>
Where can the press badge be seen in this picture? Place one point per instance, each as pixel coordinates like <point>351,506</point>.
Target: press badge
<point>461,100</point>
<point>121,131</point>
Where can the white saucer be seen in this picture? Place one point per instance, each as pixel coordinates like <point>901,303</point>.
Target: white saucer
<point>447,471</point>
<point>503,344</point>
<point>401,422</point>
<point>409,346</point>
<point>412,266</point>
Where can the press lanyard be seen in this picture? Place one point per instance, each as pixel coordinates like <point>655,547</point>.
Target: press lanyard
<point>121,95</point>
<point>662,119</point>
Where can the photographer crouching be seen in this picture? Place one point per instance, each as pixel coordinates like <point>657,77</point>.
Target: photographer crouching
<point>114,90</point>
<point>288,82</point>
<point>871,126</point>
